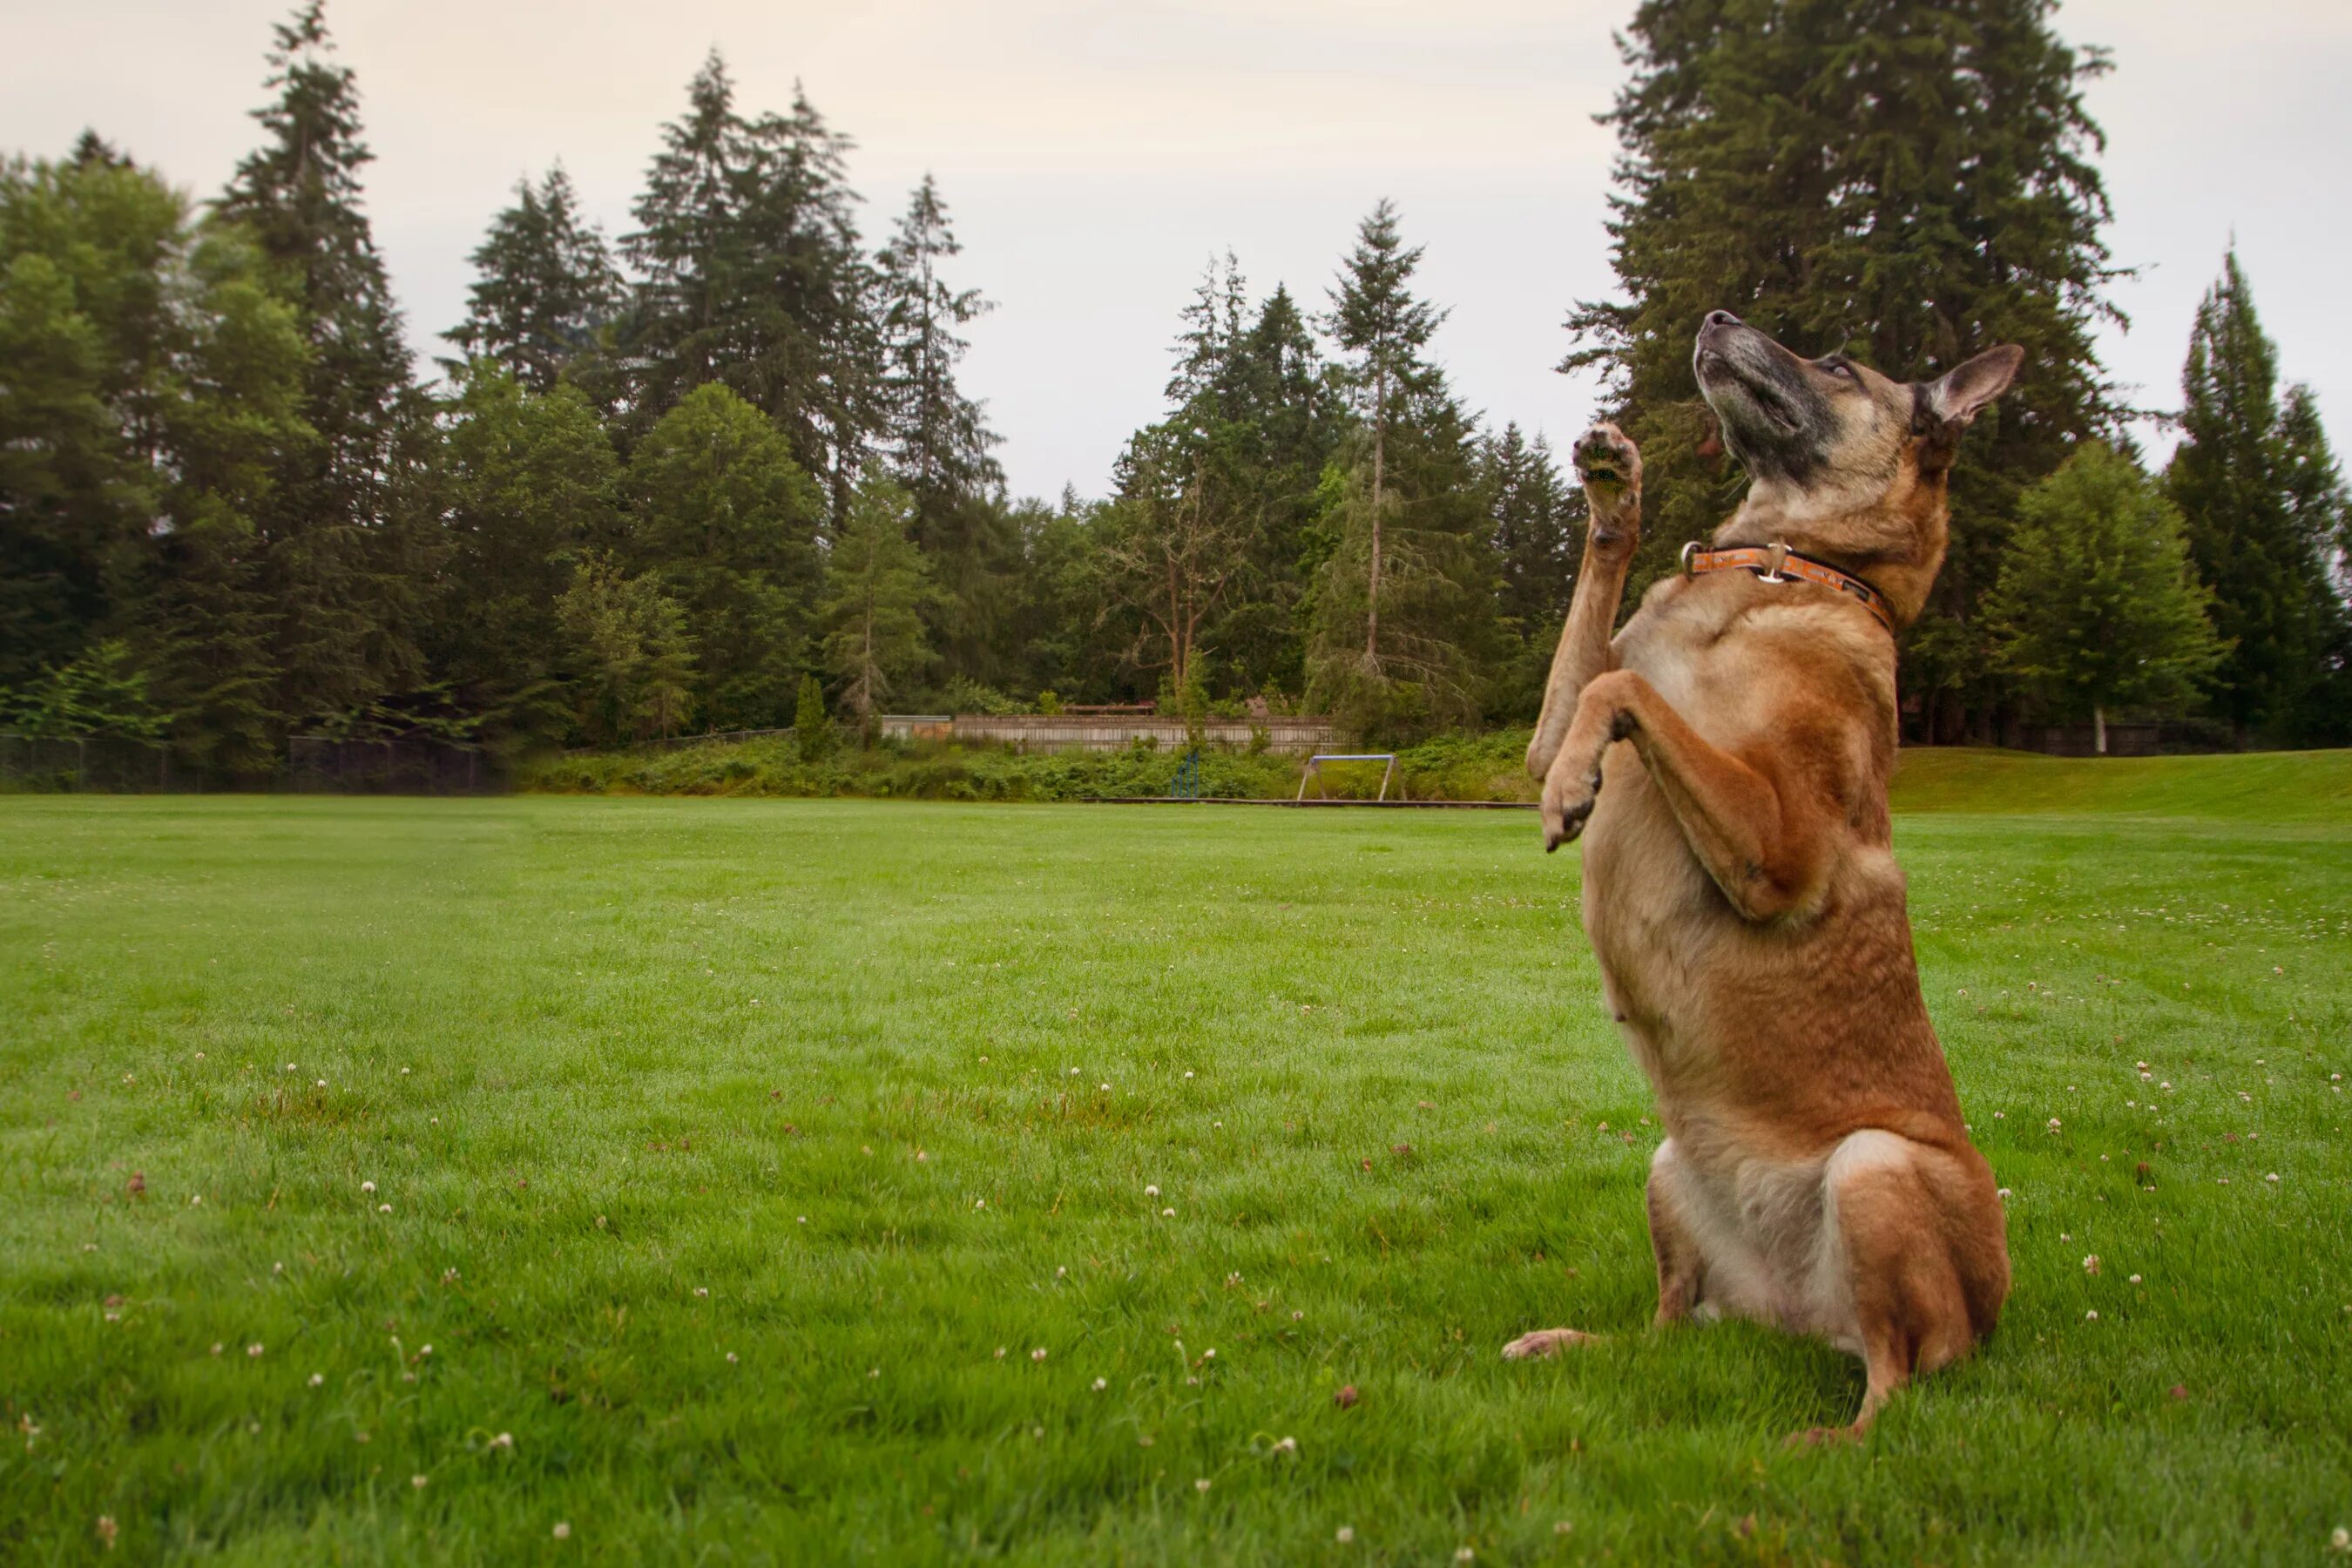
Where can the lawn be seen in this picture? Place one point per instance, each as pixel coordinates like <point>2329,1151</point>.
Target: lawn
<point>740,1181</point>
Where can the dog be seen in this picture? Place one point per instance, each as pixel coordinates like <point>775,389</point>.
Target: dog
<point>1724,758</point>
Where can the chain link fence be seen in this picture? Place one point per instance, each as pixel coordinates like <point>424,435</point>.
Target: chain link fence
<point>116,764</point>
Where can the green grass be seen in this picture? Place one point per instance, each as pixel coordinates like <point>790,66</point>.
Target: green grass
<point>600,1057</point>
<point>2262,787</point>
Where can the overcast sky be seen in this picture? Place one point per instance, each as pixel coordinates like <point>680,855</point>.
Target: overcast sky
<point>1095,156</point>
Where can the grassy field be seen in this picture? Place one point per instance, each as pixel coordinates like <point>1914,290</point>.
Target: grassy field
<point>612,1180</point>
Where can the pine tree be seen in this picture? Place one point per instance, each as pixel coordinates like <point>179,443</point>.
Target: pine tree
<point>1909,184</point>
<point>2096,606</point>
<point>877,585</point>
<point>727,522</point>
<point>1375,318</point>
<point>338,561</point>
<point>545,284</point>
<point>2236,480</point>
<point>938,440</point>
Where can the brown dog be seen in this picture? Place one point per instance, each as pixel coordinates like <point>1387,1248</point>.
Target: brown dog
<point>1726,758</point>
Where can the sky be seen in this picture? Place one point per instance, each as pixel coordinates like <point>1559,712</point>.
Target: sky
<point>1095,157</point>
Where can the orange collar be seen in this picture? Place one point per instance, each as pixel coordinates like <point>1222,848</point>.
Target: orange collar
<point>1775,562</point>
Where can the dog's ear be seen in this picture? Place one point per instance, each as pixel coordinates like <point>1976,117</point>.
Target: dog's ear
<point>1962,391</point>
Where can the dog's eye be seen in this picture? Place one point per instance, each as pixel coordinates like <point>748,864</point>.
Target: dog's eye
<point>1838,367</point>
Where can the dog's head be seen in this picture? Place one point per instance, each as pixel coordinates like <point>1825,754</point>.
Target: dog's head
<point>1845,463</point>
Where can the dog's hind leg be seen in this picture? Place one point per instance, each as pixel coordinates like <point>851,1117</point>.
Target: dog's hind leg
<point>1890,1251</point>
<point>1681,1266</point>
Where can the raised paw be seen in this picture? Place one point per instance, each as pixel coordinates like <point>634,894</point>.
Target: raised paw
<point>1606,457</point>
<point>1547,1342</point>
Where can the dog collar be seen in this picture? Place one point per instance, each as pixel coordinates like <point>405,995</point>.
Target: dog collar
<point>1776,563</point>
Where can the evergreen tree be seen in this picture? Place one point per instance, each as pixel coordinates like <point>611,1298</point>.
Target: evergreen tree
<point>1284,420</point>
<point>877,585</point>
<point>339,557</point>
<point>751,275</point>
<point>1535,522</point>
<point>2096,606</point>
<point>1538,530</point>
<point>937,439</point>
<point>2240,483</point>
<point>531,483</point>
<point>1055,636</point>
<point>2320,509</point>
<point>545,284</point>
<point>1375,318</point>
<point>811,726</point>
<point>1402,610</point>
<point>727,522</point>
<point>1909,184</point>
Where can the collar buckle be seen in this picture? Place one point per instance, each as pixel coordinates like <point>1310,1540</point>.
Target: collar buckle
<point>1776,556</point>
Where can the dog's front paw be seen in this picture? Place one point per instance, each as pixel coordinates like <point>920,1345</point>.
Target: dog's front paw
<point>1606,456</point>
<point>1546,1341</point>
<point>1567,806</point>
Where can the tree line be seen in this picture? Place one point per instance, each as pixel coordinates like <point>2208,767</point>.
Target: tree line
<point>721,474</point>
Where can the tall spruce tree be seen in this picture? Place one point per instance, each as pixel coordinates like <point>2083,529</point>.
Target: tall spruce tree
<point>341,558</point>
<point>938,440</point>
<point>1403,628</point>
<point>1908,183</point>
<point>2242,476</point>
<point>1376,320</point>
<point>545,284</point>
<point>750,274</point>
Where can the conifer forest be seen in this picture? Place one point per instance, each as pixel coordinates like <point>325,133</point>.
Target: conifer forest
<point>718,471</point>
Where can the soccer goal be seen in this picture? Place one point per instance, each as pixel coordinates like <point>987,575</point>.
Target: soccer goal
<point>1315,770</point>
